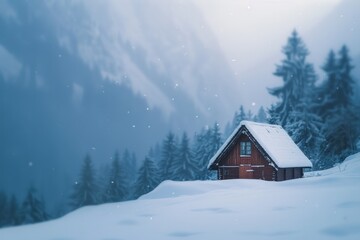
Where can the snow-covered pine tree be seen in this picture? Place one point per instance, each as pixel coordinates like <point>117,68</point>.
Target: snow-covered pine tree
<point>115,189</point>
<point>304,129</point>
<point>147,177</point>
<point>85,190</point>
<point>169,150</point>
<point>303,123</point>
<point>273,115</point>
<point>340,114</point>
<point>295,111</point>
<point>184,167</point>
<point>33,208</point>
<point>296,74</point>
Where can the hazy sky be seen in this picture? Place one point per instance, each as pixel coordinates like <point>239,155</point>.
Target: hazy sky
<point>252,33</point>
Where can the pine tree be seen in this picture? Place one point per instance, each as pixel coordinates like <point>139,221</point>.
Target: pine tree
<point>206,144</point>
<point>296,74</point>
<point>304,129</point>
<point>14,212</point>
<point>33,208</point>
<point>341,135</point>
<point>249,115</point>
<point>326,92</point>
<point>85,189</point>
<point>115,189</point>
<point>295,111</point>
<point>156,153</point>
<point>147,178</point>
<point>169,151</point>
<point>200,153</point>
<point>129,167</point>
<point>239,116</point>
<point>340,114</point>
<point>273,115</point>
<point>3,209</point>
<point>345,83</point>
<point>261,116</point>
<point>184,167</point>
<point>216,141</point>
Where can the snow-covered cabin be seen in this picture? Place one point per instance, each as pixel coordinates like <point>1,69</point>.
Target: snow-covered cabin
<point>259,151</point>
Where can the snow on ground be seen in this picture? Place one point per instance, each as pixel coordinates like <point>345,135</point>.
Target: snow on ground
<point>324,205</point>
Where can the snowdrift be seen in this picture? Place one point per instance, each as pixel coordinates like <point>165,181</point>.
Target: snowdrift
<point>324,205</point>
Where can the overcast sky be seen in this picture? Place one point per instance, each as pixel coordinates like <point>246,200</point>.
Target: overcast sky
<point>252,33</point>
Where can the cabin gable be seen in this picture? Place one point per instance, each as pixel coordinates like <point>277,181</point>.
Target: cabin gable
<point>240,162</point>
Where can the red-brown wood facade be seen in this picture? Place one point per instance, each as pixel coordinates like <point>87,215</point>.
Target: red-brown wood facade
<point>233,164</point>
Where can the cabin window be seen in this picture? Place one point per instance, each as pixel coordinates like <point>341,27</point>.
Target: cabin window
<point>245,148</point>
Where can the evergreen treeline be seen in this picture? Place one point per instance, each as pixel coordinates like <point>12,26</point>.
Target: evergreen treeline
<point>322,119</point>
<point>31,210</point>
<point>178,159</point>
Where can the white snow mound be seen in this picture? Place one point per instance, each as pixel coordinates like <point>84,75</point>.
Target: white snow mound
<point>324,206</point>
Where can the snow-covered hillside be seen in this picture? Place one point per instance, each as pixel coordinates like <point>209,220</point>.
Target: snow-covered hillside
<point>325,205</point>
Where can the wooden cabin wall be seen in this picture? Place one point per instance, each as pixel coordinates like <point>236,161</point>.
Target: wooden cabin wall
<point>250,167</point>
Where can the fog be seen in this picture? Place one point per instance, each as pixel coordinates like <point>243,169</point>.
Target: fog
<point>92,77</point>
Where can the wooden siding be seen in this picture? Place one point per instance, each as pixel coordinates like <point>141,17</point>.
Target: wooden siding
<point>254,166</point>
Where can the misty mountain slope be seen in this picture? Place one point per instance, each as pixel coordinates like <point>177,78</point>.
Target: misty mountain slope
<point>158,48</point>
<point>89,76</point>
<point>252,209</point>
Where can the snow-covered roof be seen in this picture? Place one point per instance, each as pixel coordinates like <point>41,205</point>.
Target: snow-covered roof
<point>275,142</point>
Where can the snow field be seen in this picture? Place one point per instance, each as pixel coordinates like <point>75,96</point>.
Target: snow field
<point>324,205</point>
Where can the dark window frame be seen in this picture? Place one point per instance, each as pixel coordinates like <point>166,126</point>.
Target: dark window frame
<point>245,149</point>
